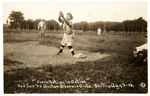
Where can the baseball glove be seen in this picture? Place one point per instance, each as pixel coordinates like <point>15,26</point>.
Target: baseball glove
<point>61,14</point>
<point>60,20</point>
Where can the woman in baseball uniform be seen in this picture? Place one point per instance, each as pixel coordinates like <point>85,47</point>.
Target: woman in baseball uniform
<point>68,36</point>
<point>42,28</point>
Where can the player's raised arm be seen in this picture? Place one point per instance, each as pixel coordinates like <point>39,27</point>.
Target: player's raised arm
<point>68,23</point>
<point>61,17</point>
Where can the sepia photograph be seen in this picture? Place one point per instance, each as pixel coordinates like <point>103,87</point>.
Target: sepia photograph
<point>75,47</point>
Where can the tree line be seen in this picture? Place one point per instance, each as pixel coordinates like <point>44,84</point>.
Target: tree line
<point>137,25</point>
<point>16,20</point>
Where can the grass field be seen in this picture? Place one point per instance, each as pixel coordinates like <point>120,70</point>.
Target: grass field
<point>117,68</point>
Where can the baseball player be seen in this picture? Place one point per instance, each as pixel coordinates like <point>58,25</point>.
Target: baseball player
<point>42,28</point>
<point>68,36</point>
<point>99,31</point>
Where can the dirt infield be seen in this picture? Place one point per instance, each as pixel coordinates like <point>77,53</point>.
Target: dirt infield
<point>33,55</point>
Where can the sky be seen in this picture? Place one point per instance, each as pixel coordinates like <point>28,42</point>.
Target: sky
<point>81,11</point>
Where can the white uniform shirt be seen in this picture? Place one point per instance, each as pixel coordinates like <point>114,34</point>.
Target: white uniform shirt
<point>42,25</point>
<point>67,28</point>
<point>99,31</point>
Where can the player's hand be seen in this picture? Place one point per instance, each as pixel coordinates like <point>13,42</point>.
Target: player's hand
<point>62,18</point>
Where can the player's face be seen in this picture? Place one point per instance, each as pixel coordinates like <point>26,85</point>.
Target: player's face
<point>68,17</point>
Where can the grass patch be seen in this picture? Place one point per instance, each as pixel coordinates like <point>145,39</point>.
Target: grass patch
<point>118,68</point>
